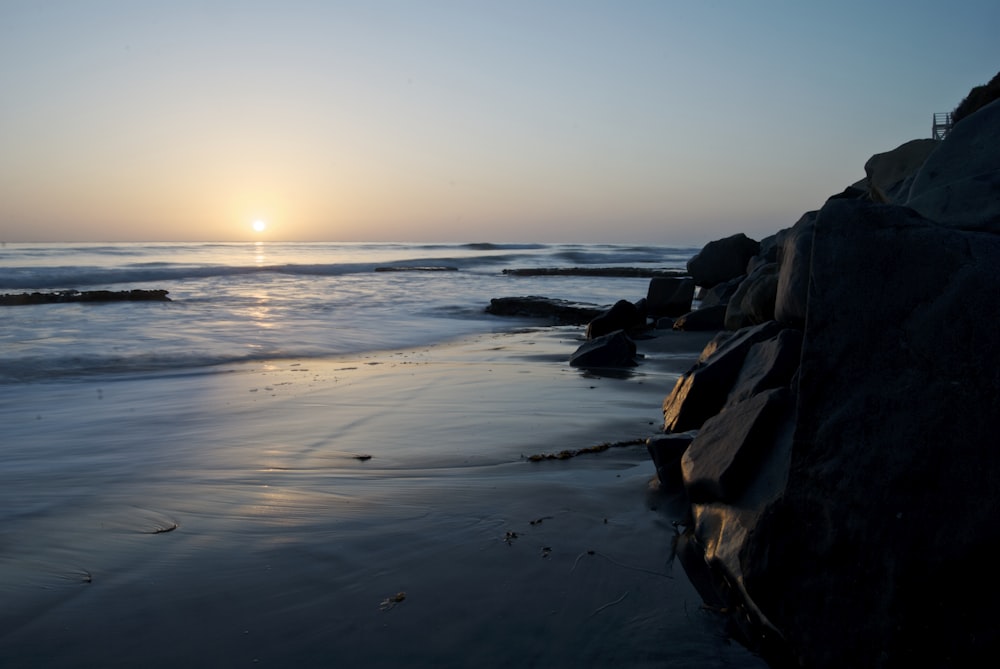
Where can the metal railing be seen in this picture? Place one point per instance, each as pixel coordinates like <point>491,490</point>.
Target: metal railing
<point>941,125</point>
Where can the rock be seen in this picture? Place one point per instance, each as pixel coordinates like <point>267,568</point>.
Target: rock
<point>769,248</point>
<point>958,183</point>
<point>709,318</point>
<point>669,296</point>
<point>416,268</point>
<point>722,260</point>
<point>888,520</point>
<point>725,456</point>
<point>852,192</point>
<point>889,174</point>
<point>556,311</point>
<point>594,271</point>
<point>642,313</point>
<point>720,293</point>
<point>768,364</point>
<point>844,493</point>
<point>717,342</point>
<point>135,295</point>
<point>711,549</point>
<point>664,323</point>
<point>623,315</point>
<point>791,295</point>
<point>701,392</point>
<point>666,452</point>
<point>615,349</point>
<point>753,301</point>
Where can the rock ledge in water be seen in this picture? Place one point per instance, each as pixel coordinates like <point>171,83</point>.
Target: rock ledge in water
<point>61,296</point>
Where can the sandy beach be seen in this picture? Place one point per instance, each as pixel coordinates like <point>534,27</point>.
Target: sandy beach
<point>371,511</point>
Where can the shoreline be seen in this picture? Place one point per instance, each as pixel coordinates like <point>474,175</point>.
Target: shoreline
<point>228,517</point>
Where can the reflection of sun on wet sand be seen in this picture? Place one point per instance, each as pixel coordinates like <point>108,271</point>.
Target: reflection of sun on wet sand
<point>347,511</point>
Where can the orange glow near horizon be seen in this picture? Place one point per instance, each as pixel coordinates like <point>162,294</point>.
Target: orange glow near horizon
<point>439,121</point>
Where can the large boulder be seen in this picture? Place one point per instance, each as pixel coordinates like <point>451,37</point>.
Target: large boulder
<point>720,293</point>
<point>623,315</point>
<point>958,183</point>
<point>722,260</point>
<point>890,174</point>
<point>666,451</point>
<point>753,301</point>
<point>727,453</point>
<point>615,349</point>
<point>887,524</point>
<point>769,364</point>
<point>702,391</point>
<point>793,273</point>
<point>669,296</point>
<point>769,248</point>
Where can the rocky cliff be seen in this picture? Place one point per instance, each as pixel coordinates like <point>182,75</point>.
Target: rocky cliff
<point>844,476</point>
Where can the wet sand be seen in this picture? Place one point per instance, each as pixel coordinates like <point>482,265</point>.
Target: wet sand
<point>360,512</point>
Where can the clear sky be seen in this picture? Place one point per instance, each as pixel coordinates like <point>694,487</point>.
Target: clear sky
<point>432,120</point>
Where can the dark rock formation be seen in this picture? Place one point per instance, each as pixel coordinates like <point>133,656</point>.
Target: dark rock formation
<point>892,500</point>
<point>595,271</point>
<point>85,296</point>
<point>753,301</point>
<point>702,391</point>
<point>669,296</point>
<point>555,311</point>
<point>889,174</point>
<point>730,447</point>
<point>666,452</point>
<point>615,349</point>
<point>720,293</point>
<point>722,260</point>
<point>793,273</point>
<point>769,249</point>
<point>769,364</point>
<point>844,476</point>
<point>830,520</point>
<point>623,315</point>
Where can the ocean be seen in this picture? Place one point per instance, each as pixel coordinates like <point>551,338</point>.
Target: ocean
<point>302,461</point>
<point>253,301</point>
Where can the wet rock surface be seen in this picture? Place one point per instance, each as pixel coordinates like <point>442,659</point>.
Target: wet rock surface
<point>553,310</point>
<point>62,296</point>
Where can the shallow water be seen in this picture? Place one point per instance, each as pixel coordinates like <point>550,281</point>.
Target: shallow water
<point>251,473</point>
<point>206,517</point>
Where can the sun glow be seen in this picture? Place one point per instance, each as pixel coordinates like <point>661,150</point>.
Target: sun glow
<point>259,225</point>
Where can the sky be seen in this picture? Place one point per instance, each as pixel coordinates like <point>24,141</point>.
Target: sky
<point>619,121</point>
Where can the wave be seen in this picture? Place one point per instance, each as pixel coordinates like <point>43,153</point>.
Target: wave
<point>484,258</point>
<point>52,368</point>
<point>69,277</point>
<point>490,246</point>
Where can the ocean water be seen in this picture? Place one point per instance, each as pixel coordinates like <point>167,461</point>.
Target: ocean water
<point>254,301</point>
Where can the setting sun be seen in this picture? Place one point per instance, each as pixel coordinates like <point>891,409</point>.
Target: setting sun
<point>259,225</point>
